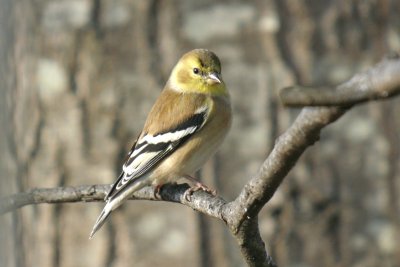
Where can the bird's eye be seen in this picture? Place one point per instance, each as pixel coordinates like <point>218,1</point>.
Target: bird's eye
<point>196,71</point>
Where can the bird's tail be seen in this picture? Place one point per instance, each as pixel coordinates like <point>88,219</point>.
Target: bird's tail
<point>101,219</point>
<point>117,199</point>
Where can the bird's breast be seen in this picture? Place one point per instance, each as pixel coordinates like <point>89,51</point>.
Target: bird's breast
<point>199,148</point>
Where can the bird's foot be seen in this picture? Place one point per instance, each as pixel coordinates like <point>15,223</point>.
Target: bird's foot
<point>157,191</point>
<point>197,186</point>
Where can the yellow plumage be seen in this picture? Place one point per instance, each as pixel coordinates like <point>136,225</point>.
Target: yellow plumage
<point>184,128</point>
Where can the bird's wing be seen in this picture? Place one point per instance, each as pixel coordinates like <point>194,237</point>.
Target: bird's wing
<point>149,150</point>
<point>122,173</point>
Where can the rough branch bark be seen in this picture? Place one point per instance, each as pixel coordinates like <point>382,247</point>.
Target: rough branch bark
<point>240,215</point>
<point>380,82</point>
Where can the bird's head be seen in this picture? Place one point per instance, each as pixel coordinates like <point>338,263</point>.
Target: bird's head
<point>198,71</point>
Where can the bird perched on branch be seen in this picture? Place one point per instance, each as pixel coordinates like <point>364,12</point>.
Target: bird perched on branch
<point>184,128</point>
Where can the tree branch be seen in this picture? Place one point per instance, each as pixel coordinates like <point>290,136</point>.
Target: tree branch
<point>380,82</point>
<point>287,150</point>
<point>241,215</point>
<point>201,201</point>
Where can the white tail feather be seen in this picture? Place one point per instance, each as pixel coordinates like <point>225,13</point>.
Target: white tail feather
<point>114,203</point>
<point>101,219</point>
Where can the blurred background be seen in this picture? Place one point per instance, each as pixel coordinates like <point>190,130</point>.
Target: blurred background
<point>77,78</point>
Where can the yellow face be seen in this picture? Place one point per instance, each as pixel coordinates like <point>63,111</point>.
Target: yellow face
<point>198,71</point>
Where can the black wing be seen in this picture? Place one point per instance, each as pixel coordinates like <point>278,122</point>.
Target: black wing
<point>150,150</point>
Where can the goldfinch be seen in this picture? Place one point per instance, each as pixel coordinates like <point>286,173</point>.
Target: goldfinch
<point>184,128</point>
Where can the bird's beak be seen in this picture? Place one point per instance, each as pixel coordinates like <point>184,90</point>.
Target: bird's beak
<point>213,78</point>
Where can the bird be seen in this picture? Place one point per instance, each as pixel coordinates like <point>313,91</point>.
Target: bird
<point>183,129</point>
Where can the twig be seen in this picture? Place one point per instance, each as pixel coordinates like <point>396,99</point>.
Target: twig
<point>201,201</point>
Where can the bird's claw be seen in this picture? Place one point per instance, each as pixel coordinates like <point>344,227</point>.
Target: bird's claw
<point>157,191</point>
<point>199,186</point>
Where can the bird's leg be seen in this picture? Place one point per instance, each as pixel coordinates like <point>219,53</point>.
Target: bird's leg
<point>157,190</point>
<point>197,186</point>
